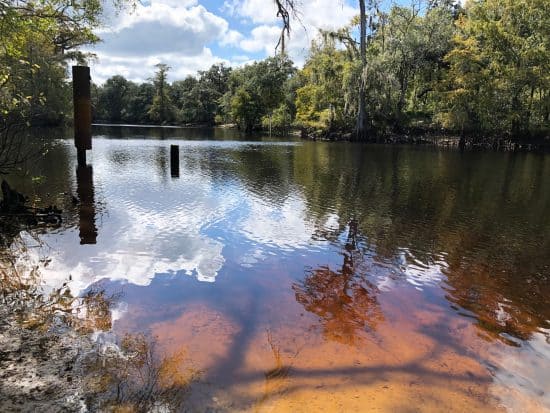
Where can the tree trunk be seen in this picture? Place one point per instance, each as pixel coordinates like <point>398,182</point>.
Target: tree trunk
<point>361,132</point>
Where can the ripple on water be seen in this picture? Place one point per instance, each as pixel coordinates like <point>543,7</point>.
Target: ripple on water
<point>522,374</point>
<point>439,273</point>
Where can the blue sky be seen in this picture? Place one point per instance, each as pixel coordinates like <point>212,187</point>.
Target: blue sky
<point>191,35</point>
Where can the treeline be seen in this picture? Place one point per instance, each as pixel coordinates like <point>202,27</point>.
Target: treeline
<point>480,70</point>
<point>246,96</point>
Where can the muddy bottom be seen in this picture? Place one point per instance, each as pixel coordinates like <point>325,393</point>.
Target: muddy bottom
<point>398,350</point>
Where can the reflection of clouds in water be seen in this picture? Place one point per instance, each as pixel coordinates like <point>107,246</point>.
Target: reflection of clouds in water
<point>153,226</point>
<point>411,269</point>
<point>332,222</point>
<point>272,228</point>
<point>521,375</point>
<point>419,273</point>
<point>202,256</point>
<point>282,226</point>
<point>252,257</point>
<point>148,229</point>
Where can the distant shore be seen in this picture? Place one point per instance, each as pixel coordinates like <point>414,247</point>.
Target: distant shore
<point>428,136</point>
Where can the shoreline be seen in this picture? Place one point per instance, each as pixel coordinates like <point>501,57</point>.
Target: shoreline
<point>440,138</point>
<point>41,371</point>
<point>53,360</point>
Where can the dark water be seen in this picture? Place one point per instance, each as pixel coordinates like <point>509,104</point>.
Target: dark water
<point>441,301</point>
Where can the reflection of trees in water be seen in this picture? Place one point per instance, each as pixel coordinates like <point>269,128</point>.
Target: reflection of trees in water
<point>136,377</point>
<point>489,209</point>
<point>502,304</point>
<point>345,300</point>
<point>130,375</point>
<point>486,212</point>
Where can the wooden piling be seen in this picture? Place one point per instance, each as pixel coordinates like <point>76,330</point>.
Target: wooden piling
<point>175,161</point>
<point>82,112</point>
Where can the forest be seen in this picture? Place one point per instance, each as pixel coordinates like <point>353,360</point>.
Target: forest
<point>481,69</point>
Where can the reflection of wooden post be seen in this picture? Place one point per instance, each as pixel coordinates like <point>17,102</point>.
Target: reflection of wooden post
<point>86,211</point>
<point>175,161</point>
<point>82,112</point>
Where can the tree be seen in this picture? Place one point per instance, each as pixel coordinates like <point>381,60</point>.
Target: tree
<point>321,102</point>
<point>183,94</point>
<point>245,109</point>
<point>498,80</point>
<point>162,108</point>
<point>361,112</point>
<point>113,98</point>
<point>406,60</point>
<point>258,87</point>
<point>211,86</point>
<point>36,39</point>
<point>139,102</point>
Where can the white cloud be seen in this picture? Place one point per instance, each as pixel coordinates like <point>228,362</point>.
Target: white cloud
<point>312,16</point>
<point>139,68</point>
<point>240,58</point>
<point>262,38</point>
<point>183,33</point>
<point>231,37</point>
<point>170,31</point>
<point>259,11</point>
<point>178,3</point>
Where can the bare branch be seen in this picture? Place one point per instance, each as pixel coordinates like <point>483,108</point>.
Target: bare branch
<point>285,10</point>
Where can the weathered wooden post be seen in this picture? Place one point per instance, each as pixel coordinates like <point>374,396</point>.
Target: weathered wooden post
<point>82,112</point>
<point>175,161</point>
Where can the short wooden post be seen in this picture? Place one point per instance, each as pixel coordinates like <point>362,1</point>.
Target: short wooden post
<point>82,112</point>
<point>175,161</point>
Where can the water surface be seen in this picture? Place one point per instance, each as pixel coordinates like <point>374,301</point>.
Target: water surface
<point>245,260</point>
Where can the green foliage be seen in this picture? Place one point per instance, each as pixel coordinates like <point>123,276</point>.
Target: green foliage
<point>113,98</point>
<point>162,109</point>
<point>186,97</point>
<point>260,88</point>
<point>245,109</point>
<point>321,103</point>
<point>37,38</point>
<point>499,75</point>
<point>483,68</point>
<point>198,99</point>
<point>279,121</point>
<point>405,58</point>
<point>191,100</point>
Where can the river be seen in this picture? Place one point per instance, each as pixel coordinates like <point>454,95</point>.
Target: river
<point>244,257</point>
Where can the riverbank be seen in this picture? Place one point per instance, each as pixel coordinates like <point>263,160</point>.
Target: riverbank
<point>443,138</point>
<point>40,371</point>
<point>59,354</point>
<point>410,136</point>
